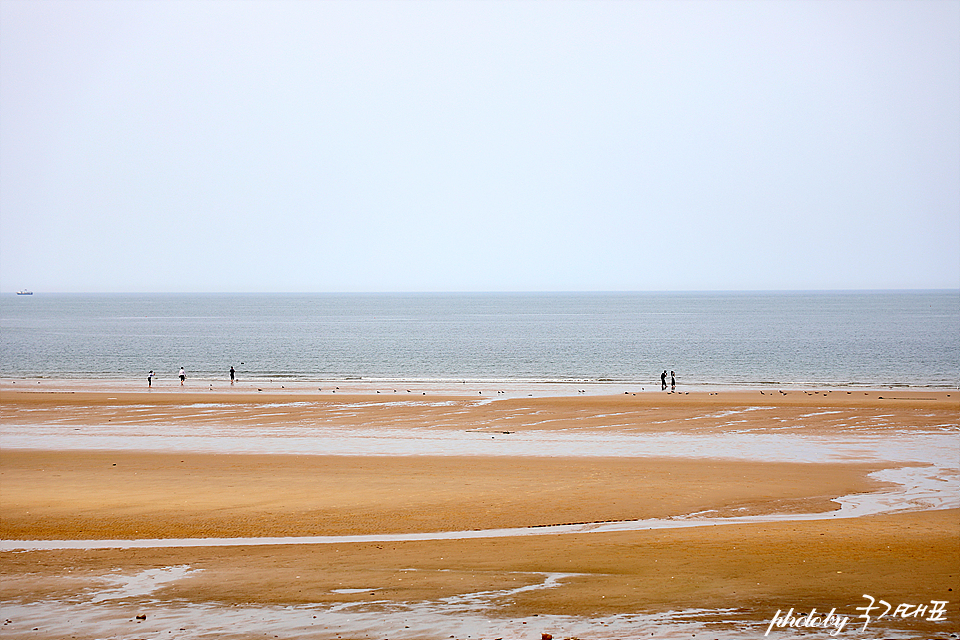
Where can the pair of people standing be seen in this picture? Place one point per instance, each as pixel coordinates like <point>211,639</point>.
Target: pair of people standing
<point>673,380</point>
<point>182,375</point>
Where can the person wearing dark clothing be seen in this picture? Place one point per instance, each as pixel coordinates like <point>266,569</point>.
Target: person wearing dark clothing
<point>663,380</point>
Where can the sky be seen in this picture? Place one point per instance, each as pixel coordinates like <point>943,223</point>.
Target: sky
<point>325,146</point>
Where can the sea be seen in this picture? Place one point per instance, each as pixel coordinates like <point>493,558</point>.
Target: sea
<point>871,339</point>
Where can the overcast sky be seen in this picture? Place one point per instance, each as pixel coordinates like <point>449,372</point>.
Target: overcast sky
<point>479,146</point>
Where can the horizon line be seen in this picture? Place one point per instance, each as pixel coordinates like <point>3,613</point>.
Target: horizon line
<point>503,292</point>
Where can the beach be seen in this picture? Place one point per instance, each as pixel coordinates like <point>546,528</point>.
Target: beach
<point>426,511</point>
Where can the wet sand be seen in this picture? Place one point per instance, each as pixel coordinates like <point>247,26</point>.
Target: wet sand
<point>754,570</point>
<point>91,495</point>
<point>58,489</point>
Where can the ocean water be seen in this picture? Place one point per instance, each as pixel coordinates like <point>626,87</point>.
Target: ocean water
<point>838,339</point>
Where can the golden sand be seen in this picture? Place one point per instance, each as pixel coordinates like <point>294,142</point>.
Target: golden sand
<point>755,568</point>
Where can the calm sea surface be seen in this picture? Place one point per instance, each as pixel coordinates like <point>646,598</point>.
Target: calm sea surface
<point>835,339</point>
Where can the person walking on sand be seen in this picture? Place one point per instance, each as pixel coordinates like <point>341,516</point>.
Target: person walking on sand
<point>663,380</point>
<point>673,382</point>
<point>232,375</point>
<point>150,380</point>
<point>183,376</point>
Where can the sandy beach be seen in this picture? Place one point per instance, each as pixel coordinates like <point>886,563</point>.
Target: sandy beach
<point>89,463</point>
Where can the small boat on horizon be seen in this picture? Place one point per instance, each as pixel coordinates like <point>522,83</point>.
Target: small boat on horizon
<point>24,292</point>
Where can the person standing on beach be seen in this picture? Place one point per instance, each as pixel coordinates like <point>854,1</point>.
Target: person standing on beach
<point>663,380</point>
<point>150,379</point>
<point>232,375</point>
<point>673,382</point>
<point>183,376</point>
